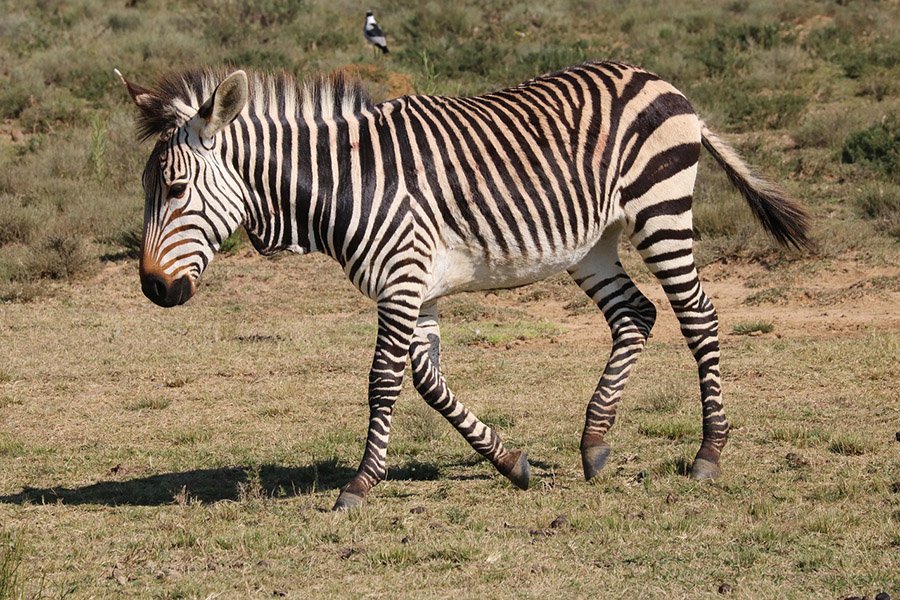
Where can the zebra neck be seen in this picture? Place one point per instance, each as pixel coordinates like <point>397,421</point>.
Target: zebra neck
<point>312,186</point>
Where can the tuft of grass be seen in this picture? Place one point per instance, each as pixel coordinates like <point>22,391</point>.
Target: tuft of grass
<point>751,327</point>
<point>11,448</point>
<point>189,437</point>
<point>12,554</point>
<point>148,403</point>
<point>673,428</point>
<point>880,202</point>
<point>850,444</point>
<point>800,435</point>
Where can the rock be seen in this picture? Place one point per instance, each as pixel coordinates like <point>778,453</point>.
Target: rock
<point>417,510</point>
<point>725,588</point>
<point>560,521</point>
<point>897,436</point>
<point>347,553</point>
<point>279,593</point>
<point>882,595</point>
<point>895,487</point>
<point>16,136</point>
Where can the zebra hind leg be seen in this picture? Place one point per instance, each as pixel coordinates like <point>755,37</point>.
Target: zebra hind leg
<point>669,256</point>
<point>630,317</point>
<point>425,351</point>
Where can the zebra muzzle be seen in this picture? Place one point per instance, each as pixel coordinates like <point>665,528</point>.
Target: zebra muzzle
<point>166,292</point>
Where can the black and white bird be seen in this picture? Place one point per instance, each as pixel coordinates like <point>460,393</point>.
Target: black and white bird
<point>373,33</point>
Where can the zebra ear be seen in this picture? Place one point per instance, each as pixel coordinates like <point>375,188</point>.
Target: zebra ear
<point>142,97</point>
<point>224,105</point>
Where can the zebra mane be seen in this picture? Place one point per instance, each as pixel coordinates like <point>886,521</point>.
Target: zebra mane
<point>176,97</point>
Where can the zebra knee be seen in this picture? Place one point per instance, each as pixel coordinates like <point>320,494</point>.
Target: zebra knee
<point>647,314</point>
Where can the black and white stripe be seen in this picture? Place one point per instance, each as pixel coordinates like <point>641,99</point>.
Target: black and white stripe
<point>421,197</point>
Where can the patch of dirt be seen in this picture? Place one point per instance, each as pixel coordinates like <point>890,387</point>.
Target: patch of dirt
<point>845,299</point>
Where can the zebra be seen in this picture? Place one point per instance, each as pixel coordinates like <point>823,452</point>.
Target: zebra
<point>420,197</point>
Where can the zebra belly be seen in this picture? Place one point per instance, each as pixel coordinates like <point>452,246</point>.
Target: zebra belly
<point>463,269</point>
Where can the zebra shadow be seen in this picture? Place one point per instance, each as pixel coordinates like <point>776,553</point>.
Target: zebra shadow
<point>213,485</point>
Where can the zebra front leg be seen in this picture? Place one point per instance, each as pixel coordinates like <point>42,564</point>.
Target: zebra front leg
<point>425,353</point>
<point>630,317</point>
<point>396,322</point>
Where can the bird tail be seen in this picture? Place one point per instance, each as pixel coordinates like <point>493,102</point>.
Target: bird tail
<point>384,49</point>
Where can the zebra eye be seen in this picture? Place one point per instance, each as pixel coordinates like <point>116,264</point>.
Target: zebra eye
<point>177,190</point>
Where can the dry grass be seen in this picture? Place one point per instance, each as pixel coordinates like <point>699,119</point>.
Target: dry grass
<point>197,450</point>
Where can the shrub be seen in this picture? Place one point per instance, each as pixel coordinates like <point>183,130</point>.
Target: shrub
<point>877,146</point>
<point>63,256</point>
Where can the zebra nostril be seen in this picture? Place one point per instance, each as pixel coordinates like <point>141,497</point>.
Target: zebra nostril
<point>159,289</point>
<point>183,290</point>
<point>155,288</point>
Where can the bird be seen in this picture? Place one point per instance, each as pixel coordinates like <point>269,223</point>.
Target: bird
<point>373,33</point>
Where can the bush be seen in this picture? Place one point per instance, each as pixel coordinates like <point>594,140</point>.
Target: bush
<point>63,256</point>
<point>878,146</point>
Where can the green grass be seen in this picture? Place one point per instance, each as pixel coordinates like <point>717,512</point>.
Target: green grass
<point>12,552</point>
<point>751,327</point>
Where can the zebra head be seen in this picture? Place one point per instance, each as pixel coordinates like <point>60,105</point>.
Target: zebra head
<point>194,200</point>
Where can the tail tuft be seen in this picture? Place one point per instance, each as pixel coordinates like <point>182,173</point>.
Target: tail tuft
<point>782,217</point>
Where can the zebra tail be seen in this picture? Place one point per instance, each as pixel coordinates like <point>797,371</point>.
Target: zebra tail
<point>782,217</point>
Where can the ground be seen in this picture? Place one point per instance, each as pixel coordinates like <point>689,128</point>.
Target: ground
<point>196,451</point>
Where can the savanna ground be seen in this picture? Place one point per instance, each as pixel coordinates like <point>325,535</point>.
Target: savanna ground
<point>195,452</point>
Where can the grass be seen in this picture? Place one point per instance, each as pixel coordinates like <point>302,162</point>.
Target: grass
<point>12,551</point>
<point>752,327</point>
<point>222,457</point>
<point>151,403</point>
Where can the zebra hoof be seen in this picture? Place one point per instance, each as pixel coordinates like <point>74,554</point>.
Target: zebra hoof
<point>520,473</point>
<point>704,469</point>
<point>593,459</point>
<point>347,500</point>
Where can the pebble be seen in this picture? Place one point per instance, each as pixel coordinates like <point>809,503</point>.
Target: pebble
<point>725,588</point>
<point>883,595</point>
<point>417,510</point>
